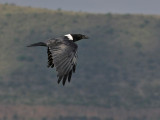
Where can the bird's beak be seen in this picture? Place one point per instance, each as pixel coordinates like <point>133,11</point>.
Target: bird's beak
<point>85,37</point>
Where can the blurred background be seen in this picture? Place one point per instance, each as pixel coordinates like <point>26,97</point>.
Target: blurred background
<point>117,76</point>
<point>94,6</point>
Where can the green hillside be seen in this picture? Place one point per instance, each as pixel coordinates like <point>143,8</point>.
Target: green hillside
<point>118,67</point>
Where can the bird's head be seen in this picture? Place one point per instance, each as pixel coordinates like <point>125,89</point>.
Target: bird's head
<point>76,37</point>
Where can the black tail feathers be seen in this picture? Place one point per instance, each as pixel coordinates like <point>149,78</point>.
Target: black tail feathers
<point>37,44</point>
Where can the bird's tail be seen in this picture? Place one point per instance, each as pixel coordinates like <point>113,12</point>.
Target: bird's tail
<point>37,44</point>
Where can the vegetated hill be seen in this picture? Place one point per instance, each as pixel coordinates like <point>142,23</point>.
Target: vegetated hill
<point>117,67</point>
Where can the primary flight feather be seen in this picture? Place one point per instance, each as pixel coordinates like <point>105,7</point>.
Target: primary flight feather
<point>62,54</point>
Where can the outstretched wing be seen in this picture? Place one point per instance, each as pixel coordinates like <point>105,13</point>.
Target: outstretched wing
<point>63,56</point>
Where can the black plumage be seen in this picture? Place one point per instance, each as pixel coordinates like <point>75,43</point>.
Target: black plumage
<point>62,54</point>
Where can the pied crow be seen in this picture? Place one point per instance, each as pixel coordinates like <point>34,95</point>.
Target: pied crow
<point>62,54</point>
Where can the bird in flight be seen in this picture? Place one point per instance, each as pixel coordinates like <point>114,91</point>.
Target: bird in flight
<point>62,54</point>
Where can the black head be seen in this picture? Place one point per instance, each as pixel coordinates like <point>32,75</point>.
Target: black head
<point>76,37</point>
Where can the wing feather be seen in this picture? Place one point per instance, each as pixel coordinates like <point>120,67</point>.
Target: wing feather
<point>63,57</point>
<point>69,76</point>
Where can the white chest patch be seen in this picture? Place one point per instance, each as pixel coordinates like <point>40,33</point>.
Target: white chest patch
<point>69,36</point>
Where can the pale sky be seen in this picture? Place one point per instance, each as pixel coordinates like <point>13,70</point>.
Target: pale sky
<point>95,6</point>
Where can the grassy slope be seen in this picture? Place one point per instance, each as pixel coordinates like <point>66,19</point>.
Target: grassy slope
<point>117,67</point>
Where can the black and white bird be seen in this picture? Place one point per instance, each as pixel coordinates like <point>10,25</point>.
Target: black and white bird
<point>62,54</point>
